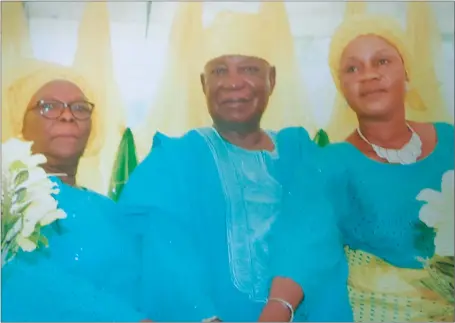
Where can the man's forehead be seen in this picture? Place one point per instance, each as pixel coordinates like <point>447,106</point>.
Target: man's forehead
<point>236,59</point>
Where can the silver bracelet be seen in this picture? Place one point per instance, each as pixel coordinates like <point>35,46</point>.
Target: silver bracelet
<point>286,304</point>
<point>212,319</point>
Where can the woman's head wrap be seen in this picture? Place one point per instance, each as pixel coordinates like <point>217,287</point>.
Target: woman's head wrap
<point>382,26</point>
<point>21,91</point>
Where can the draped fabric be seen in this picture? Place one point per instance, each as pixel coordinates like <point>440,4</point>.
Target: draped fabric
<point>355,8</point>
<point>343,120</point>
<point>94,59</point>
<point>289,104</point>
<point>15,39</point>
<point>426,46</point>
<point>180,103</point>
<point>92,71</point>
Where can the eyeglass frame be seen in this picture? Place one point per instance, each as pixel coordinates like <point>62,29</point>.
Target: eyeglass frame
<point>66,105</point>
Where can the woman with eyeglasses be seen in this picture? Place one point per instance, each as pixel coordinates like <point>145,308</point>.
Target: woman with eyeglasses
<point>88,271</point>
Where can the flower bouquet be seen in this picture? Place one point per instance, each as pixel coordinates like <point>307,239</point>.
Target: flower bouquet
<point>438,214</point>
<point>27,202</point>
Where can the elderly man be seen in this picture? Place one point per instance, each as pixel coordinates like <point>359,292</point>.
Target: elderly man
<point>207,201</point>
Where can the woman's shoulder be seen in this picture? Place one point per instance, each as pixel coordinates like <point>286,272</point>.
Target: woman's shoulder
<point>339,156</point>
<point>83,199</point>
<point>433,130</point>
<point>445,133</point>
<point>440,132</point>
<point>443,127</point>
<point>99,199</point>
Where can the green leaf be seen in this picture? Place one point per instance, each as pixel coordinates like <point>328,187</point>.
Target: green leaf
<point>17,165</point>
<point>8,223</point>
<point>38,238</point>
<point>23,208</point>
<point>21,177</point>
<point>321,138</point>
<point>21,195</point>
<point>126,162</point>
<point>34,237</point>
<point>42,241</point>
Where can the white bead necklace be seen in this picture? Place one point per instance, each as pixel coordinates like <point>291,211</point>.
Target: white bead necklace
<point>406,155</point>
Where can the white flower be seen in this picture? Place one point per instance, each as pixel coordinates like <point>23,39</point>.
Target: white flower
<point>438,213</point>
<point>18,150</point>
<point>25,244</point>
<point>27,199</point>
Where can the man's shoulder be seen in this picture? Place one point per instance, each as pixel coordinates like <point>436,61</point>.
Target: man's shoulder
<point>170,151</point>
<point>165,141</point>
<point>169,141</point>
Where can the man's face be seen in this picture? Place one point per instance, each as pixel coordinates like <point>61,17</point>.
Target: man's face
<point>237,89</point>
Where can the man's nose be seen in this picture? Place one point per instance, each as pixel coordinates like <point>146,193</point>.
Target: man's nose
<point>233,81</point>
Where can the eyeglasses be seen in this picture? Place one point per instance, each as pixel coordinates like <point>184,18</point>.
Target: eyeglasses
<point>53,109</point>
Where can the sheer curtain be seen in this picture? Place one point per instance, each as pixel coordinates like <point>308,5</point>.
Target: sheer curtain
<point>15,39</point>
<point>93,58</point>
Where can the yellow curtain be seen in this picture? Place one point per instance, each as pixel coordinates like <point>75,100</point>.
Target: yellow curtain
<point>343,120</point>
<point>289,105</point>
<point>354,8</point>
<point>15,44</point>
<point>93,59</point>
<point>179,104</point>
<point>426,45</point>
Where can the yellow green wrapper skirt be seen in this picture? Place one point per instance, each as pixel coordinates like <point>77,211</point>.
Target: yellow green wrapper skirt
<point>381,292</point>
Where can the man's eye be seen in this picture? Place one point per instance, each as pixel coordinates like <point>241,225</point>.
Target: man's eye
<point>219,71</point>
<point>250,69</point>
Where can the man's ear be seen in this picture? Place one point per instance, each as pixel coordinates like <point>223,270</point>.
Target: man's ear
<point>272,78</point>
<point>202,77</point>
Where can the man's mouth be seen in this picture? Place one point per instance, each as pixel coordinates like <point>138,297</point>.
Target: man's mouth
<point>234,101</point>
<point>372,92</point>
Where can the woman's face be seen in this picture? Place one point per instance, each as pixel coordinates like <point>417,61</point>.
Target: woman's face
<point>372,77</point>
<point>62,137</point>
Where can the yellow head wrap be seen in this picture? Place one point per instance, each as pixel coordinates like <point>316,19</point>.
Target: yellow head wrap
<point>22,90</point>
<point>384,27</point>
<point>237,34</point>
